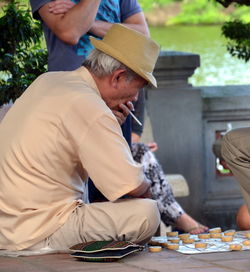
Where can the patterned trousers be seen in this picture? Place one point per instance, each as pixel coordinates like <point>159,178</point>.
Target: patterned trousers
<point>169,208</point>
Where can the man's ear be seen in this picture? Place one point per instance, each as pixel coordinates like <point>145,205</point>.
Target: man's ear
<point>116,77</point>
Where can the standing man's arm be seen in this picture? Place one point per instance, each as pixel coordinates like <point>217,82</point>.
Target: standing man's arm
<point>70,26</point>
<point>99,28</point>
<point>136,22</point>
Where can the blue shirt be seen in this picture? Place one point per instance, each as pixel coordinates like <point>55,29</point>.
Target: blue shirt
<point>65,57</point>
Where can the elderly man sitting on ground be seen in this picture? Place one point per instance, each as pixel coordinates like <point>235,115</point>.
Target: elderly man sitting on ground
<point>63,129</point>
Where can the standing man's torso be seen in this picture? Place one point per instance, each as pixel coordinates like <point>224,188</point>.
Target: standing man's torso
<point>65,57</point>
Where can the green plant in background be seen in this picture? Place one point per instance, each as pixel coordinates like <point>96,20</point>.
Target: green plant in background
<point>199,12</point>
<point>227,3</point>
<point>237,32</point>
<point>238,35</point>
<point>21,56</point>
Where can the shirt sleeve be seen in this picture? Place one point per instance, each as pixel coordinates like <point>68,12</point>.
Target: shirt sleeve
<point>97,140</point>
<point>107,158</point>
<point>129,8</point>
<point>36,5</point>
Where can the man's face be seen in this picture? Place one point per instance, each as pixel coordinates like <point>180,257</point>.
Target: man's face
<point>124,91</point>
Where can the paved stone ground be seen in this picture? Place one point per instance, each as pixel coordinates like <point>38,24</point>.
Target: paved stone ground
<point>166,260</point>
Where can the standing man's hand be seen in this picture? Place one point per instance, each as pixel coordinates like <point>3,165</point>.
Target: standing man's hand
<point>60,6</point>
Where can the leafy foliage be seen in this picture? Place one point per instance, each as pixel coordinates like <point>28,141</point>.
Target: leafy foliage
<point>21,56</point>
<point>238,34</point>
<point>227,3</point>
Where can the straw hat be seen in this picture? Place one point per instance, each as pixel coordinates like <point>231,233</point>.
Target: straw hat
<point>131,48</point>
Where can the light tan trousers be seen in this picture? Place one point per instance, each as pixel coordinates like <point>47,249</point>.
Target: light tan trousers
<point>134,220</point>
<point>236,152</point>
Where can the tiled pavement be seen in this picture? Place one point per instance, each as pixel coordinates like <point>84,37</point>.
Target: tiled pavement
<point>167,261</point>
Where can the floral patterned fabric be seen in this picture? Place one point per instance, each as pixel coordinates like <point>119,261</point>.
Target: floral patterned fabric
<point>169,208</point>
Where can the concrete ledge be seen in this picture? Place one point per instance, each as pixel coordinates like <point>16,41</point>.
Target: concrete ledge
<point>178,184</point>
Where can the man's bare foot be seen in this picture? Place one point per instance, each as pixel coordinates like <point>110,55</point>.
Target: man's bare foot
<point>187,224</point>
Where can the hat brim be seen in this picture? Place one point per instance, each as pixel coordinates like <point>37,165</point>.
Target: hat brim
<point>105,48</point>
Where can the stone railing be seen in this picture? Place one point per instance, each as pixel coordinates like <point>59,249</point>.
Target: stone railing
<point>174,68</point>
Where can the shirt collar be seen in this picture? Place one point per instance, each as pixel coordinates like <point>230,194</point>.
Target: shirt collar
<point>86,75</point>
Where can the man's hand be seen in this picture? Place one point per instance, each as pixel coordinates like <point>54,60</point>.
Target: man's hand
<point>143,191</point>
<point>123,111</point>
<point>153,146</point>
<point>60,6</point>
<point>147,194</point>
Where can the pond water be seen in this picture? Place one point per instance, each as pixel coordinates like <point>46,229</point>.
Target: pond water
<point>218,67</point>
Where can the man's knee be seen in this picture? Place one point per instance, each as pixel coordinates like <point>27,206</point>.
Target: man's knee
<point>232,142</point>
<point>235,135</point>
<point>229,137</point>
<point>226,141</point>
<point>243,218</point>
<point>149,212</point>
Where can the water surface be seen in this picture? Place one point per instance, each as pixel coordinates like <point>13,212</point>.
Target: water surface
<point>218,67</point>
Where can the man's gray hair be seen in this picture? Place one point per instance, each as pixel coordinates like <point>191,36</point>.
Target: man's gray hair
<point>101,64</point>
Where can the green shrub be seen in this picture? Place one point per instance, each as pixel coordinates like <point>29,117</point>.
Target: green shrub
<point>238,35</point>
<point>21,56</point>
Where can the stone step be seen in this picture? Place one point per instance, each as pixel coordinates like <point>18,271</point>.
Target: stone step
<point>178,184</point>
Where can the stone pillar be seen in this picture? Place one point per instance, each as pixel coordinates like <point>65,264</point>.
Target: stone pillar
<point>175,112</point>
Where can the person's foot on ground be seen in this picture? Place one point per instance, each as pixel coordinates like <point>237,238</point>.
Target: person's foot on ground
<point>187,224</point>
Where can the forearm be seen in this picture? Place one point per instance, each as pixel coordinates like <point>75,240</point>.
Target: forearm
<point>70,26</point>
<point>135,138</point>
<point>143,191</point>
<point>100,28</point>
<point>139,28</point>
<point>136,22</point>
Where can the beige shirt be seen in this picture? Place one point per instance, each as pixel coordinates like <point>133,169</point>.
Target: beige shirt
<point>58,132</point>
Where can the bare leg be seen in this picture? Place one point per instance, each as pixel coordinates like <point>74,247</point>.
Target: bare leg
<point>243,218</point>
